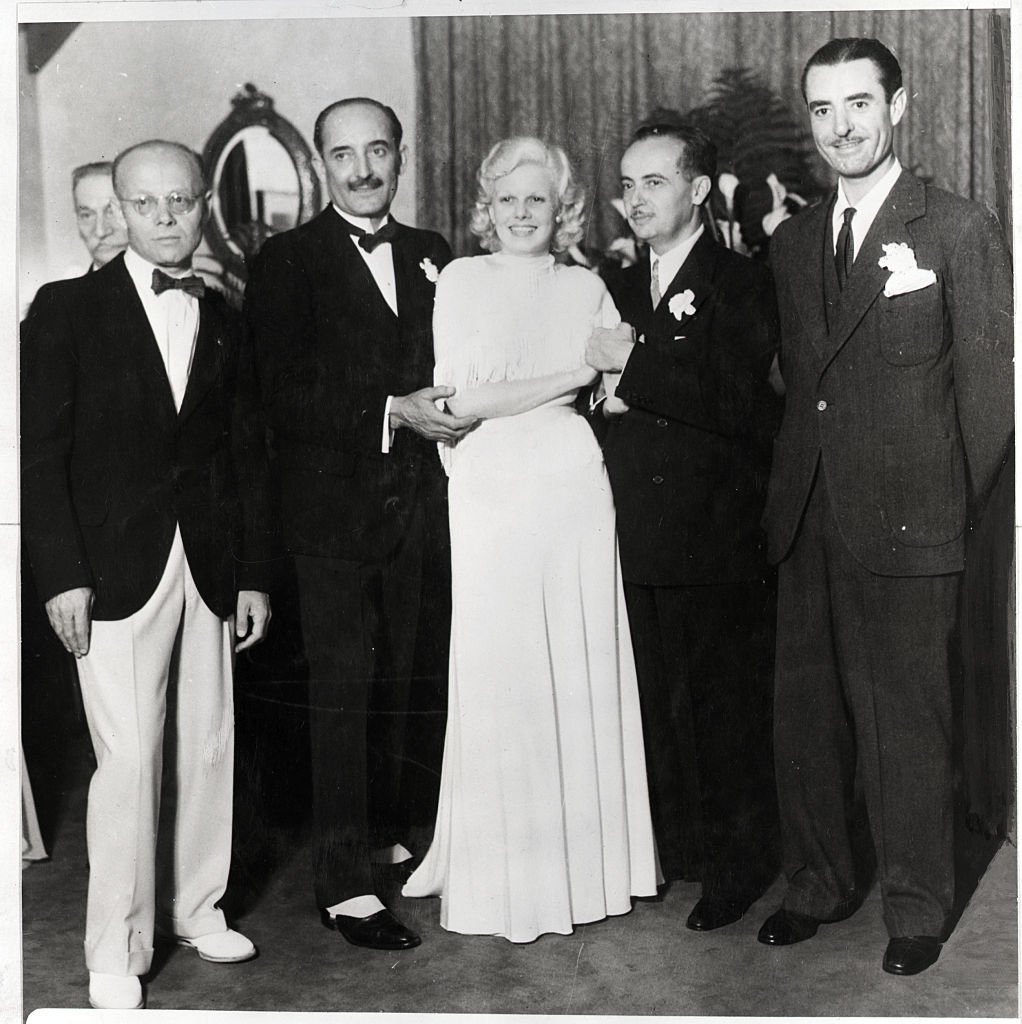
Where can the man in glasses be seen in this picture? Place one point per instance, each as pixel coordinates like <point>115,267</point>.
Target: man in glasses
<point>144,520</point>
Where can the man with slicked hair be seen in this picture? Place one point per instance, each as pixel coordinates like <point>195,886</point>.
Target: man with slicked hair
<point>896,351</point>
<point>340,310</point>
<point>144,518</point>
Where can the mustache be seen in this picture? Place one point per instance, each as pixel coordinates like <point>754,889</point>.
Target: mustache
<point>370,181</point>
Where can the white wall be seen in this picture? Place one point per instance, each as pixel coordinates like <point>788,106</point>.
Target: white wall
<point>113,84</point>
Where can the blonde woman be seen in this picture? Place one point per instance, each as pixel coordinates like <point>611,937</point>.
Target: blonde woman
<point>544,819</point>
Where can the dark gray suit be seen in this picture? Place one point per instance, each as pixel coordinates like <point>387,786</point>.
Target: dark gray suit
<point>898,416</point>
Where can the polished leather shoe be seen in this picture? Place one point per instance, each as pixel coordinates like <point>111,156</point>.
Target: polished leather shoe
<point>786,927</point>
<point>714,912</point>
<point>381,930</point>
<point>911,954</point>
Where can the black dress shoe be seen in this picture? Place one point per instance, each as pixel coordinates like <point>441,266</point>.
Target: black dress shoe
<point>911,954</point>
<point>786,927</point>
<point>715,912</point>
<point>381,930</point>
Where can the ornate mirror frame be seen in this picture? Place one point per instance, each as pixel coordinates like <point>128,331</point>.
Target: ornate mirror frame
<point>254,108</point>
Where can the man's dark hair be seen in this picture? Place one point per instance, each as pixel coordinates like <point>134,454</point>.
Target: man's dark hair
<point>88,170</point>
<point>699,154</point>
<point>193,158</point>
<point>395,125</point>
<point>842,51</point>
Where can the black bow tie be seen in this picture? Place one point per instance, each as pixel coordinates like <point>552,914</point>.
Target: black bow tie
<point>369,240</point>
<point>192,285</point>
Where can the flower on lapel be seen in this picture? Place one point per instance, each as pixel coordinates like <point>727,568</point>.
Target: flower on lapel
<point>428,267</point>
<point>681,304</point>
<point>906,274</point>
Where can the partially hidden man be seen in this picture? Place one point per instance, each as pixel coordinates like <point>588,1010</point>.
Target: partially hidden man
<point>144,514</point>
<point>896,313</point>
<point>340,310</point>
<point>688,453</point>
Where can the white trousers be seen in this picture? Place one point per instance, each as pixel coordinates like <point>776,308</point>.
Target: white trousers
<point>156,687</point>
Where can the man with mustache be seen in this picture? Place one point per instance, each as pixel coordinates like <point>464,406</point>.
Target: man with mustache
<point>688,453</point>
<point>896,349</point>
<point>340,310</point>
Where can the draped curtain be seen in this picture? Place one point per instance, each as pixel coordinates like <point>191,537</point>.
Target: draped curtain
<point>586,80</point>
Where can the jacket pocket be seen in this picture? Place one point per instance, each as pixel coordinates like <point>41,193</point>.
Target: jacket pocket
<point>911,326</point>
<point>924,491</point>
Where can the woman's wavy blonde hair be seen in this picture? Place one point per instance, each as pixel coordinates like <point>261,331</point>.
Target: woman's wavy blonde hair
<point>510,154</point>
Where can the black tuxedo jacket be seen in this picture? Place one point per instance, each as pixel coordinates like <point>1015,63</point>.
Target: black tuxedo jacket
<point>329,351</point>
<point>904,401</point>
<point>110,467</point>
<point>689,461</point>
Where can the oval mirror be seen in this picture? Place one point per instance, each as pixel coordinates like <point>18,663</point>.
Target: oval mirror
<point>262,180</point>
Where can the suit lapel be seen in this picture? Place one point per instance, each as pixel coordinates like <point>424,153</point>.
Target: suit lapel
<point>694,275</point>
<point>353,268</point>
<point>807,278</point>
<point>409,279</point>
<point>139,343</point>
<point>906,202</point>
<point>207,358</point>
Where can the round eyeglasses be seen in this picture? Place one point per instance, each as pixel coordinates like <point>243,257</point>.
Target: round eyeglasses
<point>178,203</point>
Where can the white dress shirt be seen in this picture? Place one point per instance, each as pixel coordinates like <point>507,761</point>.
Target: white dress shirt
<point>669,263</point>
<point>866,209</point>
<point>381,265</point>
<point>174,317</point>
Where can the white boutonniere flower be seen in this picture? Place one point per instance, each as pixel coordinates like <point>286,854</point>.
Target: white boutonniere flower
<point>681,304</point>
<point>906,274</point>
<point>429,268</point>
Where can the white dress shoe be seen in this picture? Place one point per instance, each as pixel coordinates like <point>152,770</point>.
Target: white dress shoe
<point>114,992</point>
<point>229,947</point>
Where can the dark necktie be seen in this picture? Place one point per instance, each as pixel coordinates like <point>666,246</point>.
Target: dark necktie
<point>844,253</point>
<point>192,285</point>
<point>370,240</point>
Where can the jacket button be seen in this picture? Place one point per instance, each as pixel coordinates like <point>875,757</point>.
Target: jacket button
<point>661,422</point>
<point>658,479</point>
<point>821,405</point>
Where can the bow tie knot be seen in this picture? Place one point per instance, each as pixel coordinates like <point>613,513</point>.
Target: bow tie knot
<point>369,240</point>
<point>192,285</point>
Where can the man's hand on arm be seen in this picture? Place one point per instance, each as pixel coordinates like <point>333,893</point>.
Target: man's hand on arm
<point>70,615</point>
<point>252,618</point>
<point>418,411</point>
<point>608,350</point>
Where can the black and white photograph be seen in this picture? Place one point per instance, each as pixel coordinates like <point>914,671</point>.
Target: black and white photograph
<point>511,509</point>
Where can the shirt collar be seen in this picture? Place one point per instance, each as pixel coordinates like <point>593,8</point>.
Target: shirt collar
<point>671,261</point>
<point>360,222</point>
<point>141,271</point>
<point>869,205</point>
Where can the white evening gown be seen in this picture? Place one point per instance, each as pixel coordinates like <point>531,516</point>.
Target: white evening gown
<point>543,820</point>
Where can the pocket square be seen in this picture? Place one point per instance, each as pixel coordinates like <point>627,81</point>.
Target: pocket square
<point>903,281</point>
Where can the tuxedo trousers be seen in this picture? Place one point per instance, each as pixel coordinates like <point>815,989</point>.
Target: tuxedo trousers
<point>376,639</point>
<point>863,699</point>
<point>704,657</point>
<point>156,688</point>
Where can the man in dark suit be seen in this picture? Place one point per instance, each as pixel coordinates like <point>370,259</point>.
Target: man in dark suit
<point>896,312</point>
<point>341,313</point>
<point>144,517</point>
<point>688,453</point>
